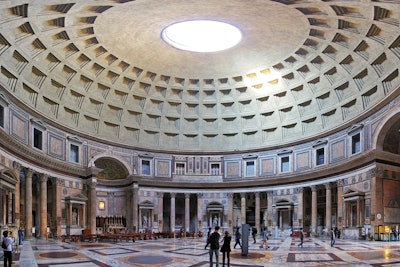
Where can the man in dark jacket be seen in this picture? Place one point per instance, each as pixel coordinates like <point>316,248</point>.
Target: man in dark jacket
<point>214,246</point>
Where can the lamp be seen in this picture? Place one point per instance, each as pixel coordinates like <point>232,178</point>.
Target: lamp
<point>101,205</point>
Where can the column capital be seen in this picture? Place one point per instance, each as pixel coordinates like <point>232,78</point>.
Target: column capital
<point>187,195</point>
<point>314,188</point>
<point>173,195</point>
<point>29,172</point>
<point>243,195</point>
<point>270,193</point>
<point>17,166</point>
<point>160,194</point>
<point>200,195</point>
<point>328,186</point>
<point>229,195</point>
<point>339,183</point>
<point>92,183</point>
<point>43,177</point>
<point>257,194</point>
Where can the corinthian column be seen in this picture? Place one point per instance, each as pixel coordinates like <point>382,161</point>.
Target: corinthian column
<point>230,210</point>
<point>243,207</point>
<point>135,205</point>
<point>314,209</point>
<point>56,205</point>
<point>17,205</point>
<point>328,208</point>
<point>28,203</point>
<point>43,205</point>
<point>187,212</point>
<point>173,212</point>
<point>160,211</point>
<point>93,205</point>
<point>258,211</point>
<point>200,212</point>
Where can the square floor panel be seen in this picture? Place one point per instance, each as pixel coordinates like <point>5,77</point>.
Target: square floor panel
<point>113,251</point>
<point>189,251</point>
<point>372,255</point>
<point>309,257</point>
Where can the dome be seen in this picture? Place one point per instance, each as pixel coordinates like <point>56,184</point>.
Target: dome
<point>101,70</point>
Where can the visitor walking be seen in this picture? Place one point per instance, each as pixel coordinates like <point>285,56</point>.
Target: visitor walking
<point>264,236</point>
<point>301,235</point>
<point>208,237</point>
<point>238,236</point>
<point>333,237</point>
<point>254,234</point>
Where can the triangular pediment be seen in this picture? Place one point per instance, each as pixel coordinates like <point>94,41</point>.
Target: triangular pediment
<point>320,143</point>
<point>146,203</point>
<point>354,128</point>
<point>77,197</point>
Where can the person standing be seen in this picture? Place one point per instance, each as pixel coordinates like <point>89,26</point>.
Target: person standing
<point>208,237</point>
<point>237,238</point>
<point>254,234</point>
<point>20,236</point>
<point>226,249</point>
<point>333,237</point>
<point>264,236</point>
<point>301,234</point>
<point>7,248</point>
<point>214,246</point>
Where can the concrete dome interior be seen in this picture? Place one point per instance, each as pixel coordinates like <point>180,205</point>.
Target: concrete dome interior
<point>295,126</point>
<point>303,68</point>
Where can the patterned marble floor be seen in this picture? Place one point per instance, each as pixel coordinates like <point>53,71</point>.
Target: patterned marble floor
<point>189,252</point>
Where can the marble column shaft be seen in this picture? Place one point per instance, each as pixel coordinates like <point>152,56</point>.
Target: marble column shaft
<point>243,207</point>
<point>43,206</point>
<point>200,212</point>
<point>93,205</point>
<point>328,208</point>
<point>135,206</point>
<point>160,211</point>
<point>187,212</point>
<point>257,211</point>
<point>172,215</point>
<point>314,209</point>
<point>28,203</point>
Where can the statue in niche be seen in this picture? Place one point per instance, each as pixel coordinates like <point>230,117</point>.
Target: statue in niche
<point>145,221</point>
<point>215,220</point>
<point>74,217</point>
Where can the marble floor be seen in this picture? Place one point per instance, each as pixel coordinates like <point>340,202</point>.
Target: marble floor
<point>190,252</point>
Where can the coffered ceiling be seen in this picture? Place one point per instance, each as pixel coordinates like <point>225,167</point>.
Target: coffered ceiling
<point>100,69</point>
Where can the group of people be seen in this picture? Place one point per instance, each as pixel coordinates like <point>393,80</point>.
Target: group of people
<point>214,240</point>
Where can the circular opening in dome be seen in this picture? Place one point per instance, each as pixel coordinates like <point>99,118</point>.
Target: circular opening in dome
<point>201,35</point>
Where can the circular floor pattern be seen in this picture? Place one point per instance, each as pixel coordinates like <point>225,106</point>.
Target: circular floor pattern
<point>58,255</point>
<point>150,259</point>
